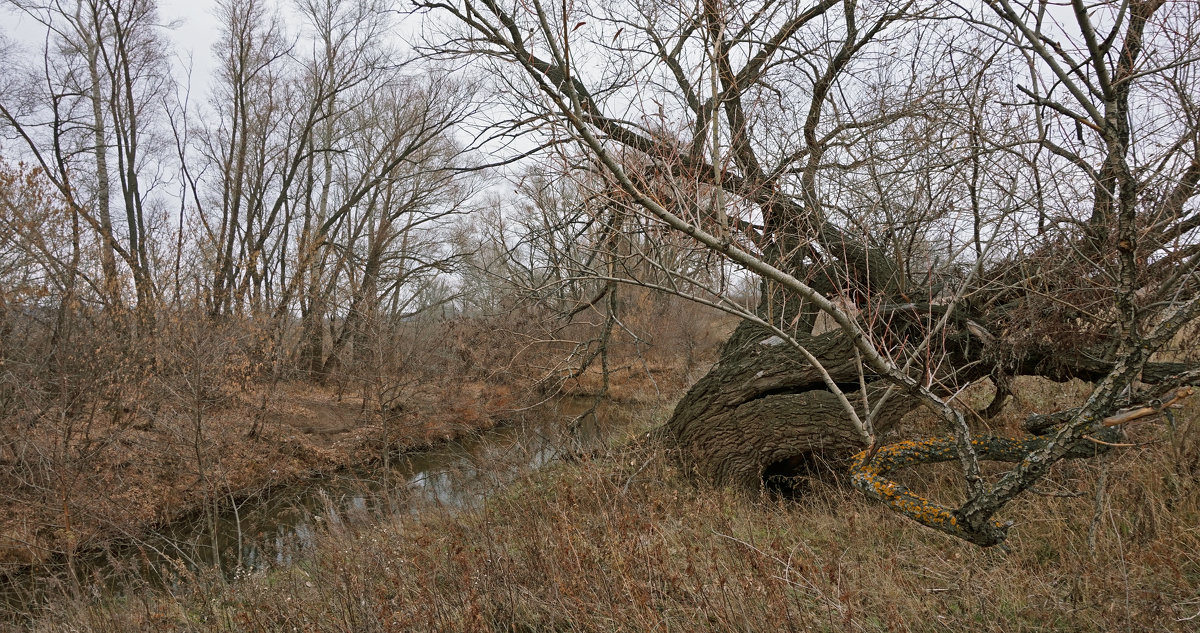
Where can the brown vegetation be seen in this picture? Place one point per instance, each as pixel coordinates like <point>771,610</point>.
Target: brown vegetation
<point>627,542</point>
<point>906,209</point>
<point>112,441</point>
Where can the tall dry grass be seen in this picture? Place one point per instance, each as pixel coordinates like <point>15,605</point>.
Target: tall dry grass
<point>624,542</point>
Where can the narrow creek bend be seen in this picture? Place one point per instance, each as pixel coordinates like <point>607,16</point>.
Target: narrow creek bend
<point>277,527</point>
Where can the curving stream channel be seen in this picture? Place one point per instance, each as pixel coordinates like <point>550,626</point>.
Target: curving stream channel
<point>276,527</point>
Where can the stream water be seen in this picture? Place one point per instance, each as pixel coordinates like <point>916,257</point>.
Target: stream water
<point>276,527</point>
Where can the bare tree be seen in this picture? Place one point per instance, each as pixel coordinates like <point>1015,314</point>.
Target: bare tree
<point>391,241</point>
<point>87,118</point>
<point>965,192</point>
<point>325,155</point>
<point>247,143</point>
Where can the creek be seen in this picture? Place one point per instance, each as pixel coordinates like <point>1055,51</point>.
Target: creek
<point>278,526</point>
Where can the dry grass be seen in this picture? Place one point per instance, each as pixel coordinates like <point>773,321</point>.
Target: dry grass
<point>139,438</point>
<point>626,543</point>
<point>143,468</point>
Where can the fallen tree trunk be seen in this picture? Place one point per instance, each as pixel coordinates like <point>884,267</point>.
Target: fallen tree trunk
<point>764,410</point>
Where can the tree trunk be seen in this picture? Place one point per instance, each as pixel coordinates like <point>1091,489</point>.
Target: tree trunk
<point>764,411</point>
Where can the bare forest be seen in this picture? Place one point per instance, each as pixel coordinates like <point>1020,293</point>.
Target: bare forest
<point>609,315</point>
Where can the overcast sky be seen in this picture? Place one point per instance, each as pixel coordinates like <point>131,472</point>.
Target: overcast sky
<point>193,37</point>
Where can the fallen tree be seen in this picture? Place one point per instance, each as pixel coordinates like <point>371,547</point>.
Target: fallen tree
<point>957,194</point>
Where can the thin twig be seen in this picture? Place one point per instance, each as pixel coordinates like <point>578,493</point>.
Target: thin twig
<point>1113,444</point>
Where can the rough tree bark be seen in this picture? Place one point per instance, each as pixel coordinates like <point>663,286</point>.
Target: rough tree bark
<point>764,410</point>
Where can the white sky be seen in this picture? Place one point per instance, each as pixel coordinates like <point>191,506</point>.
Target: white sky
<point>193,39</point>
